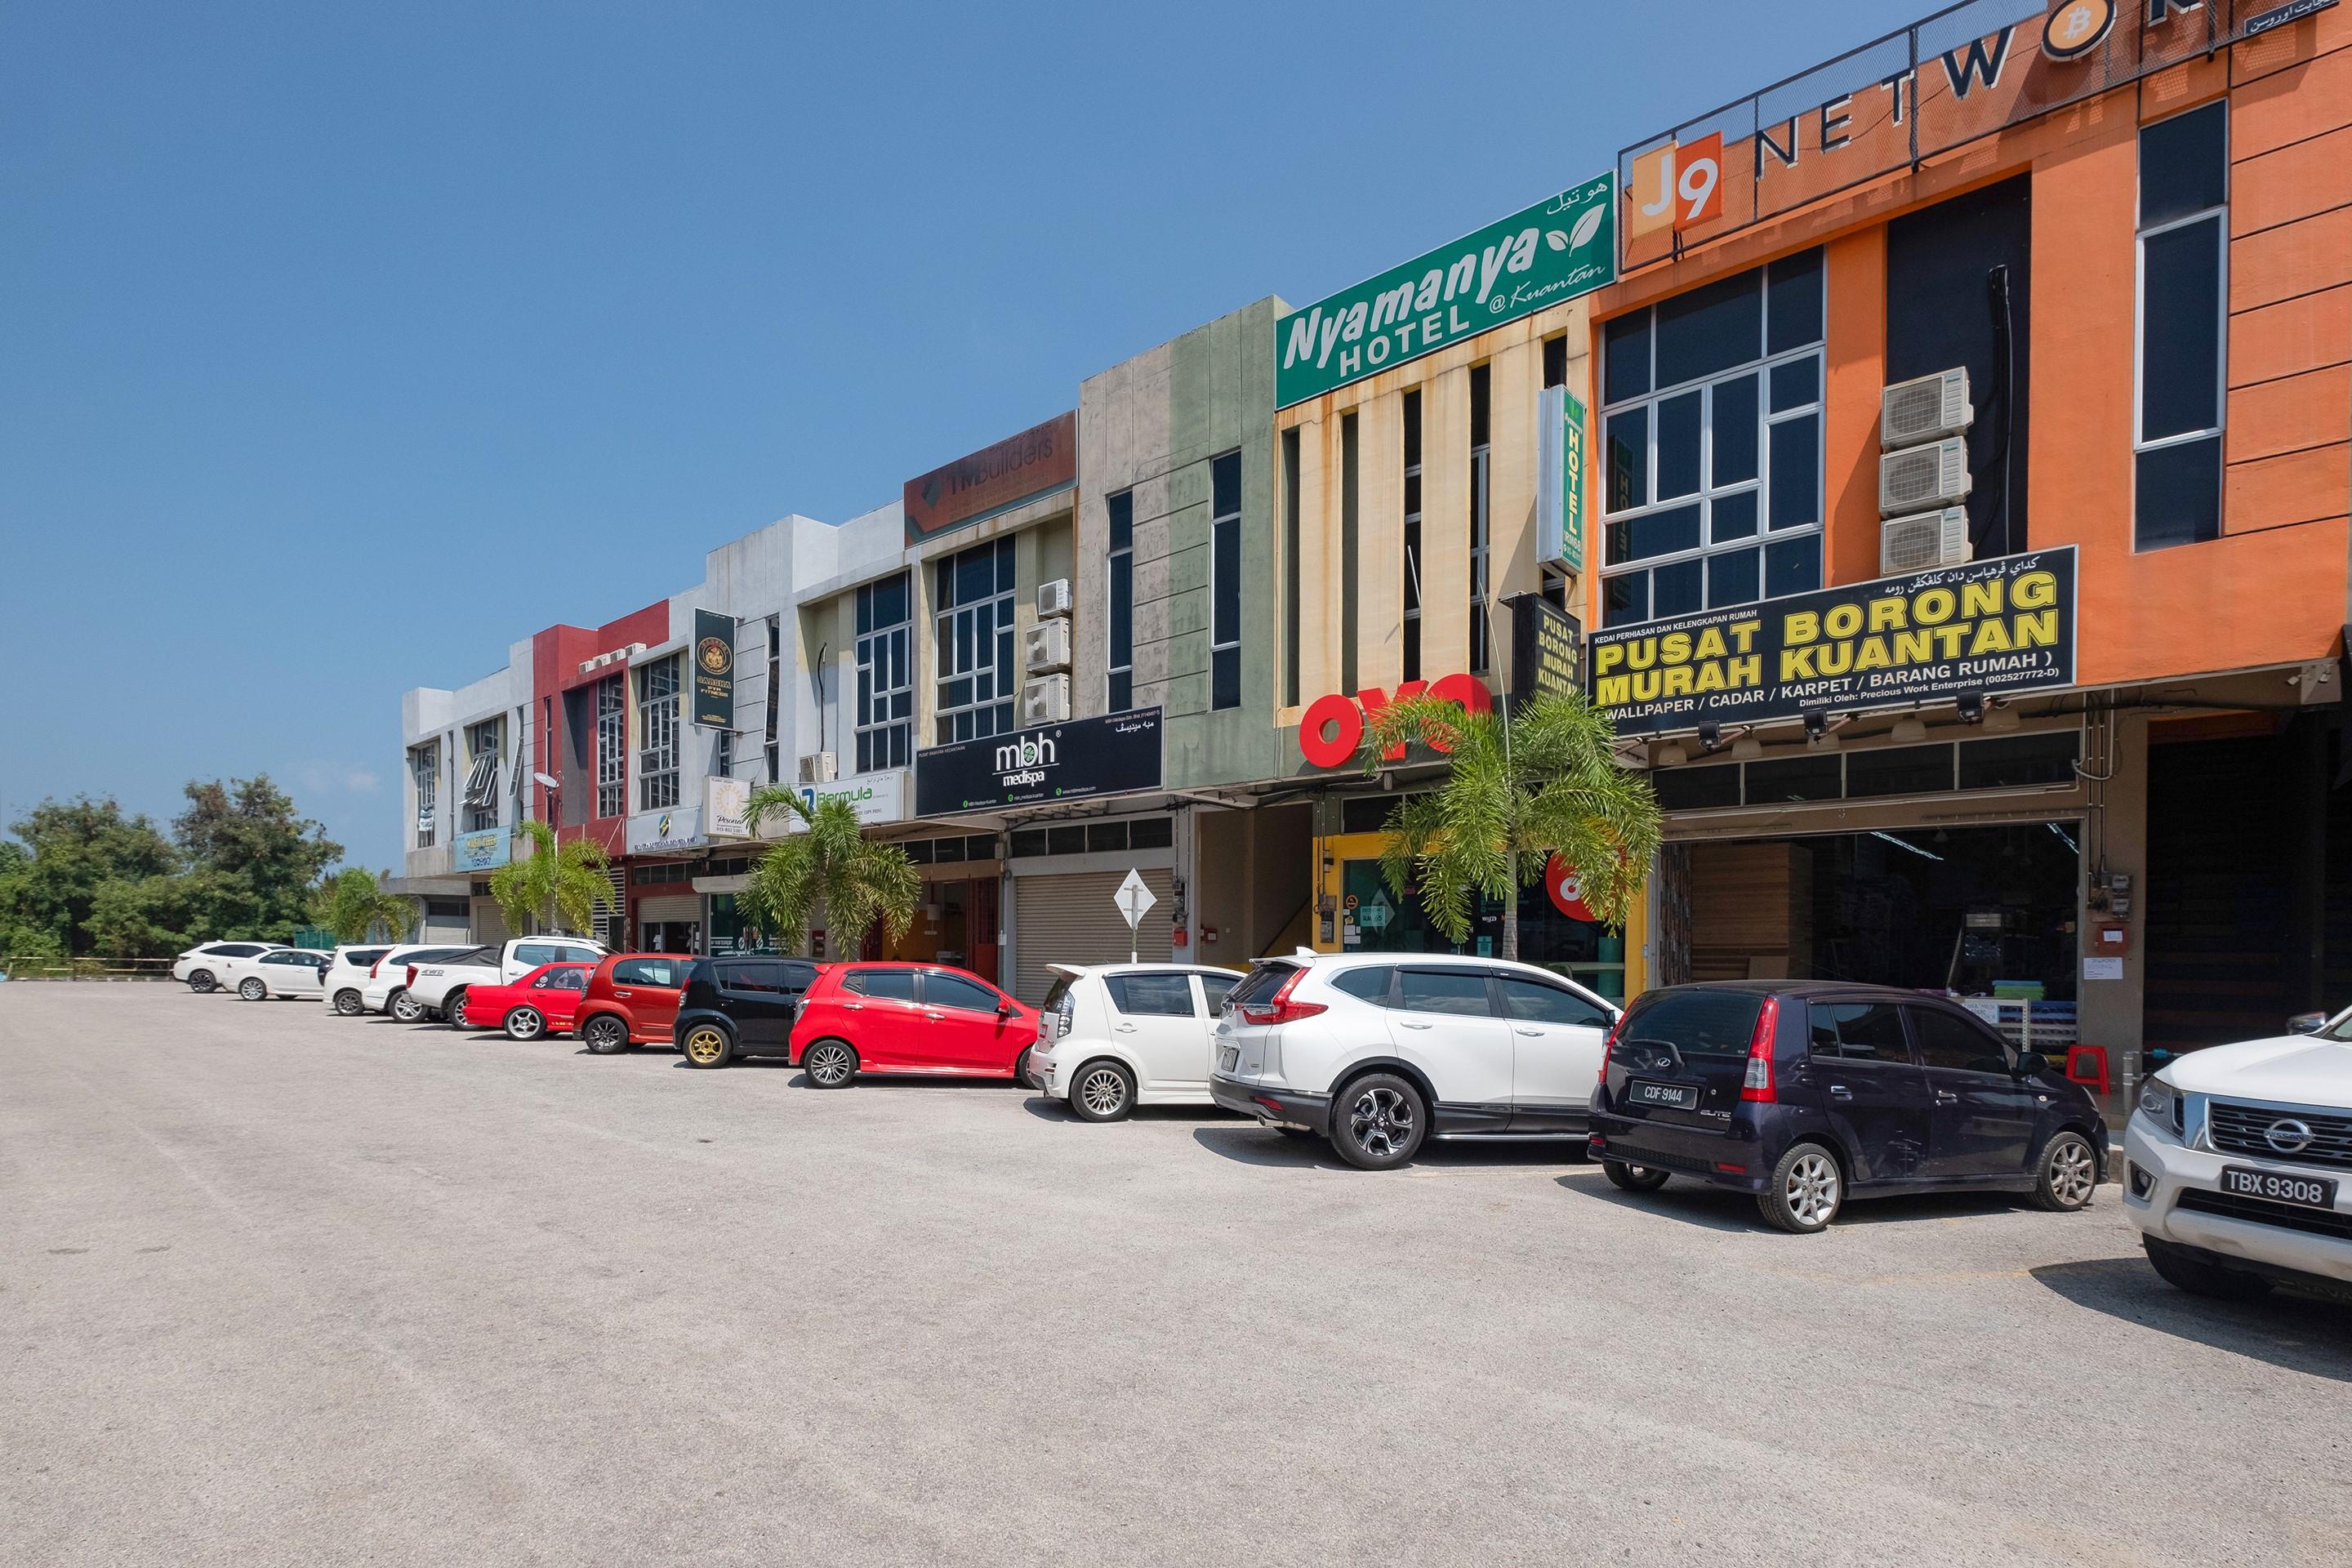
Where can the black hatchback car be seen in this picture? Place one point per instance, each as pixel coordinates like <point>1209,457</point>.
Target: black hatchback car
<point>740,1007</point>
<point>1807,1093</point>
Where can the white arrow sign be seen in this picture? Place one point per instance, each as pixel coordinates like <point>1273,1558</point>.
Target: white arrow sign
<point>1134,900</point>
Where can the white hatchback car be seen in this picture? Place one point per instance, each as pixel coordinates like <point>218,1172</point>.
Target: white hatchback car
<point>2237,1164</point>
<point>345,982</point>
<point>1379,1051</point>
<point>200,966</point>
<point>280,972</point>
<point>1113,1036</point>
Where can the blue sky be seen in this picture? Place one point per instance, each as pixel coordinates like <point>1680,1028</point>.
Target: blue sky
<point>340,346</point>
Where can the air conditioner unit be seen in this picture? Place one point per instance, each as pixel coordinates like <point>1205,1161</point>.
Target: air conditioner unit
<point>1923,542</point>
<point>1917,478</point>
<point>1925,408</point>
<point>1045,700</point>
<point>818,767</point>
<point>1054,597</point>
<point>1046,647</point>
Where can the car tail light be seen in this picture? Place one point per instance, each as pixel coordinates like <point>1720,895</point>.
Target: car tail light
<point>411,975</point>
<point>375,968</point>
<point>1758,1086</point>
<point>1279,1008</point>
<point>1609,1046</point>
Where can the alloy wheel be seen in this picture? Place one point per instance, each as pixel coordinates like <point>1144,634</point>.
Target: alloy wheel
<point>2072,1172</point>
<point>408,1009</point>
<point>1104,1091</point>
<point>524,1024</point>
<point>704,1047</point>
<point>1812,1189</point>
<point>347,1002</point>
<point>827,1064</point>
<point>252,990</point>
<point>1380,1122</point>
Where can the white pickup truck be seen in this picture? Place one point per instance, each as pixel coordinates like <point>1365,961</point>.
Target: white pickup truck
<point>440,988</point>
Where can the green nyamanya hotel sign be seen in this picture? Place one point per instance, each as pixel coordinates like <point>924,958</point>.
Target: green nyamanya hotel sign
<point>1553,251</point>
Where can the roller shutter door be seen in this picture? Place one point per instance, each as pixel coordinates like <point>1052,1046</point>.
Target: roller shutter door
<point>670,907</point>
<point>1072,919</point>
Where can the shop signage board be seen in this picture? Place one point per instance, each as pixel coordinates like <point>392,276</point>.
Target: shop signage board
<point>484,851</point>
<point>1547,648</point>
<point>725,803</point>
<point>714,669</point>
<point>679,828</point>
<point>1555,250</point>
<point>1333,725</point>
<point>1074,760</point>
<point>873,798</point>
<point>1998,628</point>
<point>1013,472</point>
<point>1559,479</point>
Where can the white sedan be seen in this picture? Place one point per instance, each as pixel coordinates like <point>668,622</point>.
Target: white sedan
<point>280,972</point>
<point>1115,1036</point>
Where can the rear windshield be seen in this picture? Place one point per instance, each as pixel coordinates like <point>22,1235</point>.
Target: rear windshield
<point>1263,981</point>
<point>1697,1023</point>
<point>1053,1003</point>
<point>364,954</point>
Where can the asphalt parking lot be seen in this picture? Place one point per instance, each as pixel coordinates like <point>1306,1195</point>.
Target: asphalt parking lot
<point>279,1287</point>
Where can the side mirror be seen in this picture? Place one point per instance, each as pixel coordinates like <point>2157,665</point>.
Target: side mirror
<point>1004,1007</point>
<point>2306,1023</point>
<point>2031,1064</point>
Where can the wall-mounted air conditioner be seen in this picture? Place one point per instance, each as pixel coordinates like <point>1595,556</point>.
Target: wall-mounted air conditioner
<point>1046,647</point>
<point>1926,408</point>
<point>1917,478</point>
<point>1054,597</point>
<point>818,768</point>
<point>1045,700</point>
<point>1923,542</point>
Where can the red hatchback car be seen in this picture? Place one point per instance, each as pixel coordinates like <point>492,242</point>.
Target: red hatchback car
<point>632,1000</point>
<point>908,1018</point>
<point>540,1002</point>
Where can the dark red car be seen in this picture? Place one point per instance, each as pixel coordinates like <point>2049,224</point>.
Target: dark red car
<point>912,1018</point>
<point>632,1000</point>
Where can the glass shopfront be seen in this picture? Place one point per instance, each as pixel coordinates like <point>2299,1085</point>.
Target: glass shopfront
<point>1373,919</point>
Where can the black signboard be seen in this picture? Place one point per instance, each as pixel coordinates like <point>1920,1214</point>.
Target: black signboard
<point>1995,627</point>
<point>714,669</point>
<point>1546,641</point>
<point>1074,760</point>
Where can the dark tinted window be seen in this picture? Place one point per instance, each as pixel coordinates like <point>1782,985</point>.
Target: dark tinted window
<point>2179,494</point>
<point>2018,760</point>
<point>1710,329</point>
<point>236,949</point>
<point>941,990</point>
<point>2183,168</point>
<point>1459,992</point>
<point>1958,1044</point>
<point>1028,841</point>
<point>1698,1022</point>
<point>668,971</point>
<point>761,977</point>
<point>1106,837</point>
<point>799,978</point>
<point>536,953</point>
<point>561,980</point>
<point>2181,358</point>
<point>363,956</point>
<point>1695,789</point>
<point>891,985</point>
<point>1151,833</point>
<point>1069,840</point>
<point>1150,995</point>
<point>1901,770</point>
<point>1371,983</point>
<point>1215,987</point>
<point>1540,1004</point>
<point>1626,357</point>
<point>1795,318</point>
<point>1794,778</point>
<point>1262,983</point>
<point>1859,1031</point>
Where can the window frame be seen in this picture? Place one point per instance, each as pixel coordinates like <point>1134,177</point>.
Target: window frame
<point>2217,433</point>
<point>1118,664</point>
<point>1412,526</point>
<point>1224,651</point>
<point>424,772</point>
<point>659,743</point>
<point>612,718</point>
<point>1000,709</point>
<point>885,671</point>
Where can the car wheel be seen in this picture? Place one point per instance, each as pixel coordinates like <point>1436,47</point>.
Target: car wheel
<point>1633,1178</point>
<point>1021,1068</point>
<point>1377,1122</point>
<point>201,981</point>
<point>2198,1278</point>
<point>453,1008</point>
<point>1102,1092</point>
<point>706,1046</point>
<point>1806,1190</point>
<point>408,1009</point>
<point>830,1064</point>
<point>347,1004</point>
<point>253,988</point>
<point>605,1035</point>
<point>525,1024</point>
<point>2069,1174</point>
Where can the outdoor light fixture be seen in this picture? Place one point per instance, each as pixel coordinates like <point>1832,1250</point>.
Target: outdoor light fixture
<point>1908,731</point>
<point>1710,735</point>
<point>1971,705</point>
<point>1816,725</point>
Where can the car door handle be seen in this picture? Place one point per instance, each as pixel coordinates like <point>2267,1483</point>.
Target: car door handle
<point>1945,1096</point>
<point>620,993</point>
<point>855,1006</point>
<point>928,1014</point>
<point>1840,1091</point>
<point>1411,1025</point>
<point>1527,1031</point>
<point>1127,1028</point>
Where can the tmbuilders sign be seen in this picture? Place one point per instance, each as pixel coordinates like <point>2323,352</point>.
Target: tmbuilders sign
<point>1555,250</point>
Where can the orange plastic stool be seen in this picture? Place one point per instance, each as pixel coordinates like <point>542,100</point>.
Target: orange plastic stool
<point>2087,1065</point>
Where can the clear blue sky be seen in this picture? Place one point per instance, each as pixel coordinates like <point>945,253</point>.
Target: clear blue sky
<point>340,347</point>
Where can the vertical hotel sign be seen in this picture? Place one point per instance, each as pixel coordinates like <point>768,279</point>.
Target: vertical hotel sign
<point>1555,250</point>
<point>714,669</point>
<point>1559,479</point>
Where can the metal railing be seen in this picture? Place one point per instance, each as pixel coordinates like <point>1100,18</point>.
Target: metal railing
<point>44,966</point>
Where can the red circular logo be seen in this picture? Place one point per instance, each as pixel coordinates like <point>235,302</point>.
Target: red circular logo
<point>1567,890</point>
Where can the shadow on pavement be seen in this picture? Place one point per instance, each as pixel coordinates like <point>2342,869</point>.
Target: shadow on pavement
<point>2297,1332</point>
<point>1263,1146</point>
<point>1709,1208</point>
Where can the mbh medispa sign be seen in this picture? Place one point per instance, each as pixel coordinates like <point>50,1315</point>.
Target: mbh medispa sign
<point>1074,760</point>
<point>1993,628</point>
<point>1555,250</point>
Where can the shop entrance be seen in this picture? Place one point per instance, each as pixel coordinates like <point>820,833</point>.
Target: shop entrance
<point>956,924</point>
<point>1374,920</point>
<point>670,936</point>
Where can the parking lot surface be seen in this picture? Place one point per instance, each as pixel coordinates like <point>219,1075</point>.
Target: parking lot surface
<point>281,1287</point>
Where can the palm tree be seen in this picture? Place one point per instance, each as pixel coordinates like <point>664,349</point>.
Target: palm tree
<point>1519,788</point>
<point>829,863</point>
<point>558,887</point>
<point>353,904</point>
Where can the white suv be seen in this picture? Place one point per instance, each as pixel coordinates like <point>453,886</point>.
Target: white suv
<point>279,972</point>
<point>1377,1052</point>
<point>386,990</point>
<point>440,987</point>
<point>2237,1164</point>
<point>345,983</point>
<point>200,966</point>
<point>1117,1036</point>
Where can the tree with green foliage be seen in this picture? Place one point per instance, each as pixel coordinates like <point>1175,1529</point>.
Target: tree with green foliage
<point>828,864</point>
<point>353,904</point>
<point>1519,788</point>
<point>559,886</point>
<point>69,853</point>
<point>264,860</point>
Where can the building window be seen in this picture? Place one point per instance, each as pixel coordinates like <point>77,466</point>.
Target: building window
<point>425,766</point>
<point>885,713</point>
<point>1225,581</point>
<point>1290,564</point>
<point>1121,660</point>
<point>976,684</point>
<point>1350,548</point>
<point>658,735</point>
<point>776,694</point>
<point>2184,238</point>
<point>1711,489</point>
<point>612,748</point>
<point>722,754</point>
<point>481,794</point>
<point>1412,536</point>
<point>1481,521</point>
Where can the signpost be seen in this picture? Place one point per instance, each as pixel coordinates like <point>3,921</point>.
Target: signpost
<point>1134,900</point>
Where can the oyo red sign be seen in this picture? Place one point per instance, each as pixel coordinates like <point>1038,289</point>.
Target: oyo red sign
<point>1567,890</point>
<point>1333,725</point>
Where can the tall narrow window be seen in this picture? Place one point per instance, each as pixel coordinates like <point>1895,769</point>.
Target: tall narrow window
<point>2184,237</point>
<point>1225,581</point>
<point>481,799</point>
<point>776,694</point>
<point>658,735</point>
<point>1481,521</point>
<point>1351,525</point>
<point>1290,560</point>
<point>884,714</point>
<point>1555,361</point>
<point>1120,692</point>
<point>974,658</point>
<point>424,765</point>
<point>722,754</point>
<point>612,748</point>
<point>1412,536</point>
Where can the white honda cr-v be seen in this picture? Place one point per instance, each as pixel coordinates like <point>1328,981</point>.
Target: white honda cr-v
<point>1377,1052</point>
<point>2237,1164</point>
